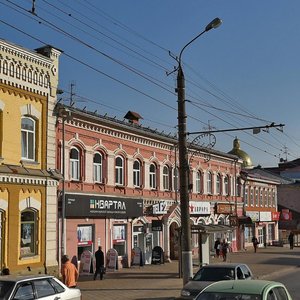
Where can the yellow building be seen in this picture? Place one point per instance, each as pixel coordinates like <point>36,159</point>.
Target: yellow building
<point>28,180</point>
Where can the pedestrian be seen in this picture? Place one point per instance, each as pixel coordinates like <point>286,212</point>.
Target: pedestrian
<point>69,272</point>
<point>99,256</point>
<point>255,243</point>
<point>217,247</point>
<point>291,240</point>
<point>224,249</point>
<point>5,271</point>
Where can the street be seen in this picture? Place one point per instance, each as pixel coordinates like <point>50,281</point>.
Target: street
<point>161,282</point>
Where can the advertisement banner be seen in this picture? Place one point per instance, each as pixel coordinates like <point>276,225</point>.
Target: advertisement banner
<point>85,262</point>
<point>88,206</point>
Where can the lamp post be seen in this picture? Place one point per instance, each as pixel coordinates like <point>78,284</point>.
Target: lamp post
<point>186,255</point>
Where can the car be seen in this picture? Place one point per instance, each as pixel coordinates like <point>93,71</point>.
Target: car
<point>245,290</point>
<point>35,287</point>
<point>214,272</point>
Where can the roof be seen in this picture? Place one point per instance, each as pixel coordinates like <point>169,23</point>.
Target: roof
<point>15,278</point>
<point>240,286</point>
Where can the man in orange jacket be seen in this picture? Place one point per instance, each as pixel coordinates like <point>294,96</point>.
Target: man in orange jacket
<point>69,272</point>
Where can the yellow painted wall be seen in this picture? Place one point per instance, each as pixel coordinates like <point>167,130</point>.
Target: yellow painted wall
<point>13,100</point>
<point>17,193</point>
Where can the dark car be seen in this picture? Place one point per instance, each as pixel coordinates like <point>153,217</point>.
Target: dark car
<point>215,272</point>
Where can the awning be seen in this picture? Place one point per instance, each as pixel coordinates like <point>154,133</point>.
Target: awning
<point>244,220</point>
<point>211,228</point>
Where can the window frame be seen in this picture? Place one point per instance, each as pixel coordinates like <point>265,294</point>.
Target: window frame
<point>75,165</point>
<point>98,168</point>
<point>33,226</point>
<point>136,173</point>
<point>119,171</point>
<point>153,177</point>
<point>25,140</point>
<point>209,182</point>
<point>166,177</point>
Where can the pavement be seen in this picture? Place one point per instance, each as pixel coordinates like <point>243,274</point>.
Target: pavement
<point>162,282</point>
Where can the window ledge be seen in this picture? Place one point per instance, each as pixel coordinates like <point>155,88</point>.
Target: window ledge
<point>27,257</point>
<point>29,162</point>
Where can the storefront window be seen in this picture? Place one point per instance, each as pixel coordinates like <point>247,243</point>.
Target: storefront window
<point>119,239</point>
<point>29,235</point>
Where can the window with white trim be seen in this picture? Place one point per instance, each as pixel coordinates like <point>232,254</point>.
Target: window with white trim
<point>137,173</point>
<point>166,178</point>
<point>176,179</point>
<point>198,182</point>
<point>119,170</point>
<point>152,176</point>
<point>218,184</point>
<point>97,167</point>
<point>209,182</point>
<point>74,164</point>
<point>29,233</point>
<point>256,197</point>
<point>28,132</point>
<point>226,185</point>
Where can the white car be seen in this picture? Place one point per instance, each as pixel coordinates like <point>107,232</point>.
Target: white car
<point>36,287</point>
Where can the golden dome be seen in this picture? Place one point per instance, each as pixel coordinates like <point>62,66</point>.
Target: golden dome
<point>247,163</point>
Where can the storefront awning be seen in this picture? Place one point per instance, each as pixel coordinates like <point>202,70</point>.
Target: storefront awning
<point>211,228</point>
<point>244,220</point>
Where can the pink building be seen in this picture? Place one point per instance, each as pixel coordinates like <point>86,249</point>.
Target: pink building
<point>121,188</point>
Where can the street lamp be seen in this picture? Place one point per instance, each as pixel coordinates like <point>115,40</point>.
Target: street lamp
<point>186,254</point>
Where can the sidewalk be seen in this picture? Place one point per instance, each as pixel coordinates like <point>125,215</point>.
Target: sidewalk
<point>161,282</point>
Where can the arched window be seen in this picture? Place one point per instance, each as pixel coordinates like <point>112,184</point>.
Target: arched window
<point>218,184</point>
<point>35,77</point>
<point>166,178</point>
<point>46,80</point>
<point>152,176</point>
<point>246,195</point>
<point>209,182</point>
<point>28,138</point>
<point>5,68</point>
<point>12,69</point>
<point>198,182</point>
<point>261,198</point>
<point>97,167</point>
<point>137,173</point>
<point>41,80</point>
<point>251,197</point>
<point>226,185</point>
<point>119,168</point>
<point>29,233</point>
<point>176,179</point>
<point>18,72</point>
<point>74,164</point>
<point>29,75</point>
<point>256,197</point>
<point>24,74</point>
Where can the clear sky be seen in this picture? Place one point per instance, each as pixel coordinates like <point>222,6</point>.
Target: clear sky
<point>116,54</point>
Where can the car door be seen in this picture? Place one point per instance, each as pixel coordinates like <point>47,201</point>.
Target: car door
<point>247,273</point>
<point>45,290</point>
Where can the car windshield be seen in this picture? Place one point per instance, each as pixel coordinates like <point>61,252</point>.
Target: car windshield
<point>6,288</point>
<point>214,274</point>
<point>227,296</point>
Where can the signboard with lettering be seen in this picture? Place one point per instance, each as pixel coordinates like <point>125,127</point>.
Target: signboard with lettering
<point>223,208</point>
<point>111,260</point>
<point>97,206</point>
<point>265,216</point>
<point>254,215</point>
<point>199,208</point>
<point>275,215</point>
<point>159,208</point>
<point>157,255</point>
<point>157,225</point>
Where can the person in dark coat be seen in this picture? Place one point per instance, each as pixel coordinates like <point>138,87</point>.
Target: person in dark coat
<point>291,240</point>
<point>255,243</point>
<point>99,256</point>
<point>217,247</point>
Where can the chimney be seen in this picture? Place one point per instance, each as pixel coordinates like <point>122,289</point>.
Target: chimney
<point>133,117</point>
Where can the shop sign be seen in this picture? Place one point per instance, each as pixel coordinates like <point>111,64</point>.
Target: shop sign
<point>223,208</point>
<point>275,216</point>
<point>199,208</point>
<point>138,228</point>
<point>265,216</point>
<point>254,215</point>
<point>157,225</point>
<point>159,208</point>
<point>286,215</point>
<point>137,259</point>
<point>96,206</point>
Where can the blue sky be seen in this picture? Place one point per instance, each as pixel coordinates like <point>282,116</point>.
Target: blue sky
<point>243,74</point>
